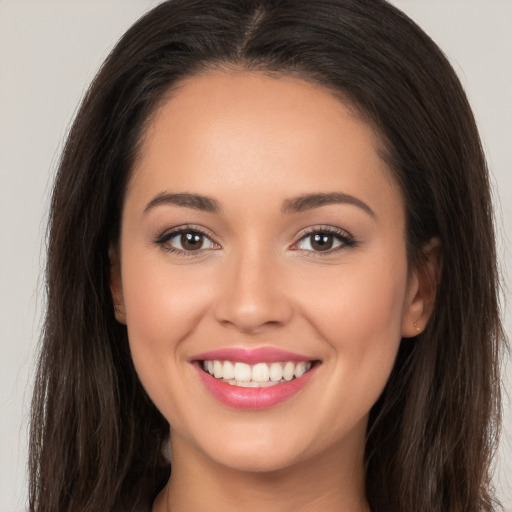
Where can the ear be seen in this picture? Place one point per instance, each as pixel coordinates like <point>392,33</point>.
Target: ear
<point>116,285</point>
<point>421,289</point>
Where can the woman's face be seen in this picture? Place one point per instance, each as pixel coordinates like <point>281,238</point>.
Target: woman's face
<point>263,236</point>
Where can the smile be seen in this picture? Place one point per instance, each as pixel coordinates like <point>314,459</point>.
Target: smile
<point>257,378</point>
<point>257,375</point>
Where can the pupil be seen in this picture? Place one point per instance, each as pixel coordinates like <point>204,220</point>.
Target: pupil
<point>191,241</point>
<point>322,242</point>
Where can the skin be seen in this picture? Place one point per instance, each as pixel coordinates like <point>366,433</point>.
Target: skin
<point>251,142</point>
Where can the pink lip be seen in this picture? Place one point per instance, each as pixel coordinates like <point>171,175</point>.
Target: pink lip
<point>253,398</point>
<point>251,356</point>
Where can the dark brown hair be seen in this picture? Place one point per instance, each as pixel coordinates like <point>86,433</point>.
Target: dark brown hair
<point>95,433</point>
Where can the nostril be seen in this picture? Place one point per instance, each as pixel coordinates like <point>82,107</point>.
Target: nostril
<point>254,318</point>
<point>251,297</point>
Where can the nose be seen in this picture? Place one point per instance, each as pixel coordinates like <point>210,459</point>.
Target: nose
<point>252,295</point>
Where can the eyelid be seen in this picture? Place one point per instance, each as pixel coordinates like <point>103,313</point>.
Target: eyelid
<point>346,238</point>
<point>170,233</point>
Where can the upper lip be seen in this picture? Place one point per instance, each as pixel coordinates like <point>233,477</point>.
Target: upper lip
<point>251,355</point>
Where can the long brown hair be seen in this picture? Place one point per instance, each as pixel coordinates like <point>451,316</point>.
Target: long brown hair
<point>95,433</point>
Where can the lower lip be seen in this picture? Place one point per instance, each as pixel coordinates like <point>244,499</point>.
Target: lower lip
<point>253,398</point>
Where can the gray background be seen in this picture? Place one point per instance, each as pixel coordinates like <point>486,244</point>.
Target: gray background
<point>50,50</point>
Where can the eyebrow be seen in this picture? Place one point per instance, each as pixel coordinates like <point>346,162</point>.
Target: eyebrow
<point>310,201</point>
<point>195,201</point>
<point>293,205</point>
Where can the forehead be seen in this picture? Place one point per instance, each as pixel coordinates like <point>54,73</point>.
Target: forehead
<point>223,131</point>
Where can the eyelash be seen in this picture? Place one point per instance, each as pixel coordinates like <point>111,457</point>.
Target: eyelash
<point>346,240</point>
<point>164,239</point>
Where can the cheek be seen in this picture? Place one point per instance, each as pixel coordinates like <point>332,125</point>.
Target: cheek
<point>362,303</point>
<point>163,306</point>
<point>359,315</point>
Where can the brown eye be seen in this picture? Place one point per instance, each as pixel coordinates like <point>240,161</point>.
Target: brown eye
<point>322,241</point>
<point>191,241</point>
<point>186,241</point>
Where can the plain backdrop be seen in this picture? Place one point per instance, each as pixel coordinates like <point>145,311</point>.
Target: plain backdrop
<point>49,52</point>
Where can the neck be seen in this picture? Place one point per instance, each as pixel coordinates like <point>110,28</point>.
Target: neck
<point>332,481</point>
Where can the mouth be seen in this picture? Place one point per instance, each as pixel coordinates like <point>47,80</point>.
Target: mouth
<point>259,375</point>
<point>254,378</point>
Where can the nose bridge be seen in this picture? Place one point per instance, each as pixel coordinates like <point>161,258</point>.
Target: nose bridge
<point>251,295</point>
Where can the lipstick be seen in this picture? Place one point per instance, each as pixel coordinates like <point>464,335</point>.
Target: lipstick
<point>253,378</point>
<point>251,356</point>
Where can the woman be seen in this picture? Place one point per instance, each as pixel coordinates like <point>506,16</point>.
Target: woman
<point>271,236</point>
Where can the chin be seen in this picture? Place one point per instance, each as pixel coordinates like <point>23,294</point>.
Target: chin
<point>256,461</point>
<point>263,453</point>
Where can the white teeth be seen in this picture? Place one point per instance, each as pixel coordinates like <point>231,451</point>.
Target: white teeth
<point>276,372</point>
<point>217,369</point>
<point>228,370</point>
<point>249,384</point>
<point>258,375</point>
<point>300,369</point>
<point>288,371</point>
<point>242,372</point>
<point>260,372</point>
<point>252,384</point>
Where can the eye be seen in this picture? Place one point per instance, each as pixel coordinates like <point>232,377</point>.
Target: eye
<point>325,240</point>
<point>186,240</point>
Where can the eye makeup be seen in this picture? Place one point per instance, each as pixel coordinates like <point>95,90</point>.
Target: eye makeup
<point>192,240</point>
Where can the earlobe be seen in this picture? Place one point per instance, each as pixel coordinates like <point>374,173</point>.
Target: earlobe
<point>116,285</point>
<point>421,289</point>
